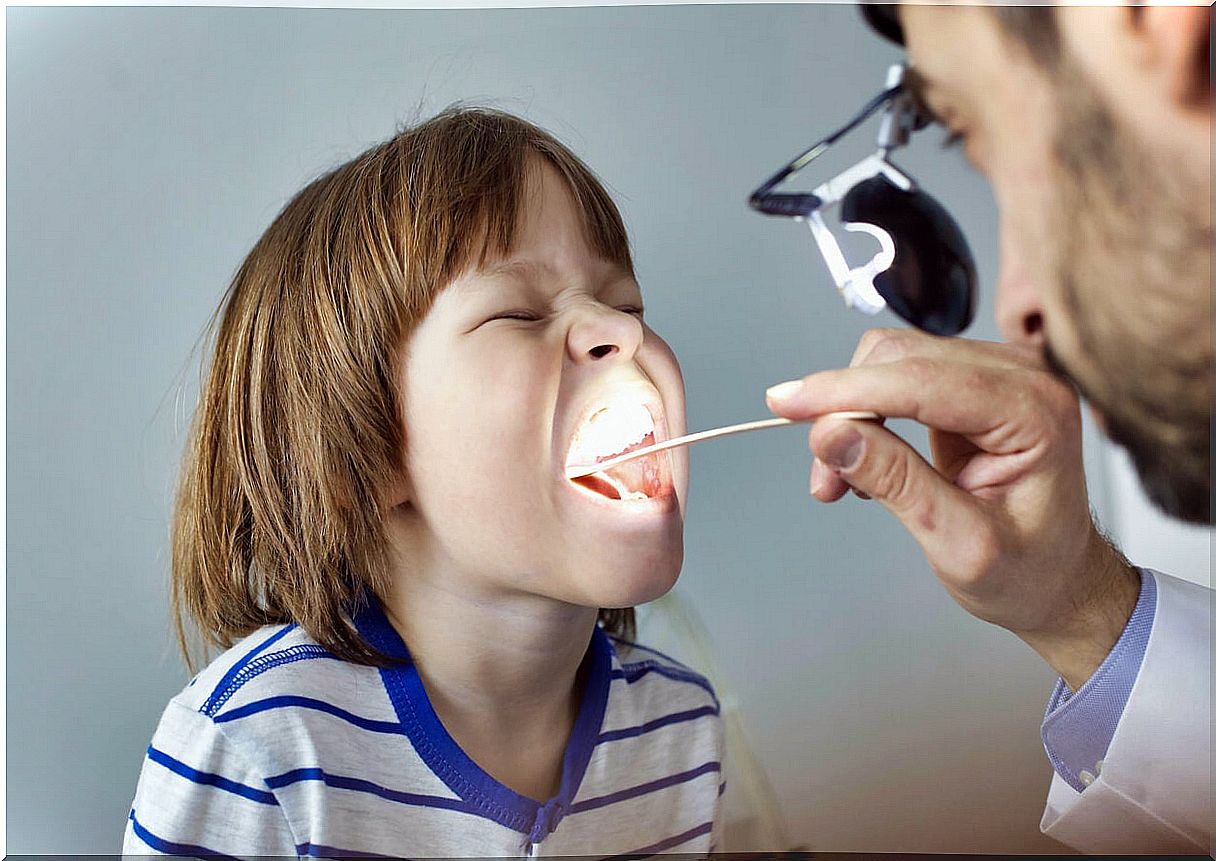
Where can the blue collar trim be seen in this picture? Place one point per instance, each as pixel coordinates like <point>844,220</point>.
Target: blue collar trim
<point>485,795</point>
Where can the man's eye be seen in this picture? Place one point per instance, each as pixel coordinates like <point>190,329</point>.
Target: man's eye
<point>635,310</point>
<point>953,138</point>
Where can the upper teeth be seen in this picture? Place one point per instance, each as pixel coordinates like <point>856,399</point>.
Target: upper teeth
<point>610,431</point>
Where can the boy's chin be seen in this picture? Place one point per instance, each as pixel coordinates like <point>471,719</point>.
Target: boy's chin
<point>629,585</point>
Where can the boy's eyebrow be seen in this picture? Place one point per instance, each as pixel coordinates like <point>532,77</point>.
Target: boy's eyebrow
<point>510,268</point>
<point>515,270</point>
<point>528,270</point>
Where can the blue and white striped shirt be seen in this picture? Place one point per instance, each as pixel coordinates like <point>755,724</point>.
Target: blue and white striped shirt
<point>279,748</point>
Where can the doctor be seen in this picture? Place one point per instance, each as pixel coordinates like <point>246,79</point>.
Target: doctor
<point>1093,125</point>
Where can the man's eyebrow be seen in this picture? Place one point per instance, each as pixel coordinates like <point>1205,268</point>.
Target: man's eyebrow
<point>917,86</point>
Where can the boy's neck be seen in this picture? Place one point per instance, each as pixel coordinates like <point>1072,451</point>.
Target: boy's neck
<point>501,671</point>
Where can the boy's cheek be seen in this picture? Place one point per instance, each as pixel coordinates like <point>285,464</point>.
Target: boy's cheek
<point>662,366</point>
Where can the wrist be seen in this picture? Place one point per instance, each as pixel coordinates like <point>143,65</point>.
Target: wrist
<point>1092,617</point>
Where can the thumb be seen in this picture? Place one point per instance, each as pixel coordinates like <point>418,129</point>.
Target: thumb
<point>942,517</point>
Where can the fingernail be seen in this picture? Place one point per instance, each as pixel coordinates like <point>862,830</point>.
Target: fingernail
<point>781,391</point>
<point>842,450</point>
<point>816,476</point>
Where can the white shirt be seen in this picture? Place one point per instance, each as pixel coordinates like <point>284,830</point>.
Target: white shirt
<point>1152,791</point>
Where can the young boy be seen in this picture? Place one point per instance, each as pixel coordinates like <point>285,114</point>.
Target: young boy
<point>374,503</point>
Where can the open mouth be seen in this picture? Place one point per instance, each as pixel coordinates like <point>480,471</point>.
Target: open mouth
<point>613,431</point>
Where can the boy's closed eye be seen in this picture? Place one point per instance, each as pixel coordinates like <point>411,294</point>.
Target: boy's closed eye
<point>530,316</point>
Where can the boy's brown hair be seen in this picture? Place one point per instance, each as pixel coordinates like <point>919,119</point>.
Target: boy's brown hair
<point>279,512</point>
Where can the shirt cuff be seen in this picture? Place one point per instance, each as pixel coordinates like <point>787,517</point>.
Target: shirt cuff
<point>1078,727</point>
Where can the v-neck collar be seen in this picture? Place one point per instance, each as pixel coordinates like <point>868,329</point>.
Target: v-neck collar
<point>454,767</point>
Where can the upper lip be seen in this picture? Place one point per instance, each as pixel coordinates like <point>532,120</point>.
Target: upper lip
<point>645,393</point>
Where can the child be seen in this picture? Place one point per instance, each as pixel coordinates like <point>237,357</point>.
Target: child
<point>374,503</point>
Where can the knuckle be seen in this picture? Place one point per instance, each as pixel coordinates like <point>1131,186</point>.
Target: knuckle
<point>985,553</point>
<point>892,482</point>
<point>881,345</point>
<point>1023,355</point>
<point>977,560</point>
<point>918,370</point>
<point>1055,402</point>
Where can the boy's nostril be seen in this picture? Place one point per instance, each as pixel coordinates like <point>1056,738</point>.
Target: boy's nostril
<point>601,351</point>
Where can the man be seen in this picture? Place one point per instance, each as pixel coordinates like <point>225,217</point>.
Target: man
<point>1094,127</point>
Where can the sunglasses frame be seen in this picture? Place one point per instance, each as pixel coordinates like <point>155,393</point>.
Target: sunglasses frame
<point>902,118</point>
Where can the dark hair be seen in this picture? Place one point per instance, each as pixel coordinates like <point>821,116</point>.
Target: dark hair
<point>1033,26</point>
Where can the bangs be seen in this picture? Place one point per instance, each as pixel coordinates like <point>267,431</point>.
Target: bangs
<point>468,176</point>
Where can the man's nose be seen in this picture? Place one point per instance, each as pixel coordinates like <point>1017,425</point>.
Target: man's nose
<point>1019,309</point>
<point>600,333</point>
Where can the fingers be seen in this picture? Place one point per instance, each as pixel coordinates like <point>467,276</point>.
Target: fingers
<point>879,346</point>
<point>1002,409</point>
<point>826,486</point>
<point>944,519</point>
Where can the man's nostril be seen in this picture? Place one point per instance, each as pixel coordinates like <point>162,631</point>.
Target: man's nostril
<point>601,351</point>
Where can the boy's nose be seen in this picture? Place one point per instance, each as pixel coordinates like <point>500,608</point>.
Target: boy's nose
<point>601,333</point>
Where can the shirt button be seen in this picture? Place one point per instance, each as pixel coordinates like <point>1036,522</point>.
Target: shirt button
<point>1086,777</point>
<point>1098,767</point>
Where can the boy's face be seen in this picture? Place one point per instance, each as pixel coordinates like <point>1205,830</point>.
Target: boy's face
<point>534,361</point>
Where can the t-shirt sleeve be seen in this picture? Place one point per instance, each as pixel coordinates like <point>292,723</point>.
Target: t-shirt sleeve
<point>199,795</point>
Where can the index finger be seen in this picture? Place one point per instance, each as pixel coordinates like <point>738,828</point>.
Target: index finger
<point>878,346</point>
<point>995,406</point>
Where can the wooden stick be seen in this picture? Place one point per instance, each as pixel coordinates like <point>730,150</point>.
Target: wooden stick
<point>700,436</point>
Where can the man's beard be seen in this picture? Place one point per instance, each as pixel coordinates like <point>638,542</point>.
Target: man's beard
<point>1177,482</point>
<point>1134,266</point>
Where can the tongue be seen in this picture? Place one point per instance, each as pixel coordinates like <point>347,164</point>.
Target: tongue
<point>599,485</point>
<point>632,475</point>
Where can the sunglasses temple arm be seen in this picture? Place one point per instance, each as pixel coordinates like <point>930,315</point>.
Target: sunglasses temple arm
<point>802,204</point>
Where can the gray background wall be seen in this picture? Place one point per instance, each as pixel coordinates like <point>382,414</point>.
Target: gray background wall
<point>147,149</point>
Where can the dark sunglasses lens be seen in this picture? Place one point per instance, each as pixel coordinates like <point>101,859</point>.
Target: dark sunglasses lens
<point>931,284</point>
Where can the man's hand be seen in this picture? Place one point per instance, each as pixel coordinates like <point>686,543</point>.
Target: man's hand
<point>1002,514</point>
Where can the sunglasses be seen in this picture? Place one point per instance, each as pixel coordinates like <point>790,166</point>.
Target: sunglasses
<point>924,270</point>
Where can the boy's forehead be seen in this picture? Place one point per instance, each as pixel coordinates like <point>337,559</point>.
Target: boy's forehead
<point>528,270</point>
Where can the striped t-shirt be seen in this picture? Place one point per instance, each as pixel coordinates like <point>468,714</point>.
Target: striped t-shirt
<point>279,748</point>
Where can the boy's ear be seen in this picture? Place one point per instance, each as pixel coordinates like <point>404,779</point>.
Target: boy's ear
<point>399,492</point>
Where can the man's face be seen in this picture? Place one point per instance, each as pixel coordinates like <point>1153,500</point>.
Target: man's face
<point>518,368</point>
<point>1105,240</point>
